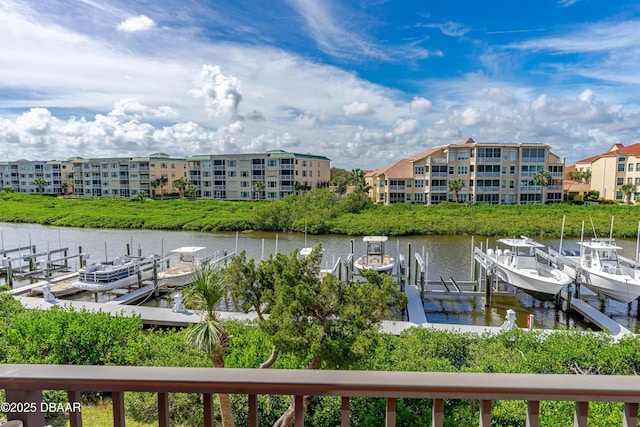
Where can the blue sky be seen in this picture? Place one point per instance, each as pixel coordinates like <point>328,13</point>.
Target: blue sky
<point>364,83</point>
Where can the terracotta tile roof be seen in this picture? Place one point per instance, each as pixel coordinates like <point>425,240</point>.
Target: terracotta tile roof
<point>632,150</point>
<point>425,153</point>
<point>403,168</point>
<point>400,169</point>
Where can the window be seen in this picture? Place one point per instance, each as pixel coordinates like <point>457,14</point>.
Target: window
<point>419,170</point>
<point>304,163</point>
<point>451,170</point>
<point>533,155</point>
<point>463,170</point>
<point>619,181</point>
<point>271,162</point>
<point>463,154</point>
<point>231,163</point>
<point>272,184</point>
<point>231,173</point>
<point>244,174</point>
<point>620,167</point>
<point>512,184</point>
<point>244,184</point>
<point>637,167</point>
<point>244,194</point>
<point>630,169</point>
<point>419,183</point>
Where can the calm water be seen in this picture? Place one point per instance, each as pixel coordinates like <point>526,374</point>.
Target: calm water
<point>448,256</point>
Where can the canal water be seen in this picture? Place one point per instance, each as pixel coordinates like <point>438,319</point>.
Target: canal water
<point>448,257</point>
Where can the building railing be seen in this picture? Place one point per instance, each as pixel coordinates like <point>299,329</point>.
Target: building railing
<point>24,385</point>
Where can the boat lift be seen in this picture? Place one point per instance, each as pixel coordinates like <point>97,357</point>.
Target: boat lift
<point>33,265</point>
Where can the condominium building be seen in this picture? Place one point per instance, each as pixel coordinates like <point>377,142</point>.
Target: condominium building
<point>611,170</point>
<point>271,175</point>
<point>489,173</point>
<point>125,177</point>
<point>30,176</point>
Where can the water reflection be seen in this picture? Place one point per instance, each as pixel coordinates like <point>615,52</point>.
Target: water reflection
<point>448,256</point>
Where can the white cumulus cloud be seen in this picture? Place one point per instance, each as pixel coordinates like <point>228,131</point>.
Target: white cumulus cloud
<point>405,127</point>
<point>357,108</point>
<point>420,105</point>
<point>221,93</point>
<point>136,23</point>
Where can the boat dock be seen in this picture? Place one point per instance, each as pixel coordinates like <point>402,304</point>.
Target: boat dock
<point>138,294</point>
<point>60,286</point>
<point>605,322</point>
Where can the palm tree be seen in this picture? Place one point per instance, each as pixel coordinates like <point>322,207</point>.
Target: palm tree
<point>40,183</point>
<point>190,191</point>
<point>259,187</point>
<point>575,176</point>
<point>155,184</point>
<point>628,190</point>
<point>340,182</point>
<point>455,185</point>
<point>209,288</point>
<point>585,176</point>
<point>542,178</point>
<point>181,184</point>
<point>162,181</point>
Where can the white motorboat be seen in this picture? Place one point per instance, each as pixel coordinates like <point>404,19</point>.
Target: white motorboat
<point>183,273</point>
<point>375,259</point>
<point>521,267</point>
<point>117,273</point>
<point>605,272</point>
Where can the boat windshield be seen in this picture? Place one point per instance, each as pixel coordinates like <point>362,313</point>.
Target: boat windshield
<point>608,255</point>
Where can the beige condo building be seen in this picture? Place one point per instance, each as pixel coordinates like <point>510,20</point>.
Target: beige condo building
<point>491,173</point>
<point>264,176</point>
<point>24,175</point>
<point>611,170</point>
<point>125,177</point>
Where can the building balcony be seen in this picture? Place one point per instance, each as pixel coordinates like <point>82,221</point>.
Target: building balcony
<point>487,189</point>
<point>488,174</point>
<point>24,385</point>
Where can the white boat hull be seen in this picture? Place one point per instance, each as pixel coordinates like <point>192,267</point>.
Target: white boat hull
<point>102,287</point>
<point>177,279</point>
<point>530,280</point>
<point>622,288</point>
<point>385,267</point>
<point>96,278</point>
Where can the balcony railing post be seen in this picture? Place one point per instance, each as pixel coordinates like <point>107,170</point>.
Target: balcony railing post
<point>485,413</point>
<point>253,410</point>
<point>118,408</point>
<point>75,417</point>
<point>437,413</point>
<point>299,410</point>
<point>390,419</point>
<point>33,398</point>
<point>630,417</point>
<point>208,410</point>
<point>163,409</point>
<point>344,412</point>
<point>533,413</point>
<point>581,414</point>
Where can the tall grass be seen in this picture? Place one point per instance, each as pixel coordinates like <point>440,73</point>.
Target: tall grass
<point>322,212</point>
